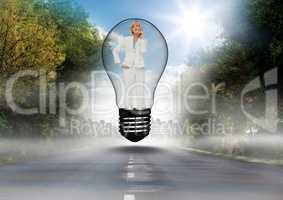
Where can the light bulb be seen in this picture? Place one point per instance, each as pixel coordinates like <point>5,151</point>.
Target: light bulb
<point>134,55</point>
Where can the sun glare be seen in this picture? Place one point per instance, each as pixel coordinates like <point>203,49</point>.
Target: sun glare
<point>192,23</point>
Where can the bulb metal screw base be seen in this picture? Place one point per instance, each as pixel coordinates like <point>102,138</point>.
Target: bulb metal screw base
<point>134,124</point>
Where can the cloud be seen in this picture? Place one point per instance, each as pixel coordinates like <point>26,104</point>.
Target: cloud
<point>176,68</point>
<point>114,38</point>
<point>172,73</point>
<point>101,32</point>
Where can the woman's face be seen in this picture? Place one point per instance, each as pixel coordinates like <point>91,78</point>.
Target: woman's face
<point>136,28</point>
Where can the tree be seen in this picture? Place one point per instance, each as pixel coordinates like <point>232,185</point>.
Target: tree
<point>253,45</point>
<point>78,37</point>
<point>50,35</point>
<point>24,42</point>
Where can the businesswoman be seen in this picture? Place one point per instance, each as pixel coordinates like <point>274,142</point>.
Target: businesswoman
<point>134,47</point>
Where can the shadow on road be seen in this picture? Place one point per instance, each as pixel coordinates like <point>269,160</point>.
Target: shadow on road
<point>137,149</point>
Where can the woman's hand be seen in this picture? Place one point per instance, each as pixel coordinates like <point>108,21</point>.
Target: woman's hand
<point>125,66</point>
<point>141,34</point>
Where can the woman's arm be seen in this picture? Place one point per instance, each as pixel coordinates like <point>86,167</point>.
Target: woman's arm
<point>116,51</point>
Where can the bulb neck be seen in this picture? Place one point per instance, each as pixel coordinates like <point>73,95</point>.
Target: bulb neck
<point>134,124</point>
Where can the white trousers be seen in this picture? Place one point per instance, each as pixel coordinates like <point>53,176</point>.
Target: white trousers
<point>134,84</point>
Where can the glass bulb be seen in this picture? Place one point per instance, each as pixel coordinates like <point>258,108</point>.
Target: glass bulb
<point>134,55</point>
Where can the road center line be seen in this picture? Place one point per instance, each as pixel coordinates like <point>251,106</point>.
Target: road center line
<point>130,175</point>
<point>130,166</point>
<point>129,197</point>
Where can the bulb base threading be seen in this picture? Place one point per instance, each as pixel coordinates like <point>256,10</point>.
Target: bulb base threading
<point>134,124</point>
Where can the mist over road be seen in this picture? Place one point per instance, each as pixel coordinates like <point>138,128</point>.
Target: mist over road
<point>135,171</point>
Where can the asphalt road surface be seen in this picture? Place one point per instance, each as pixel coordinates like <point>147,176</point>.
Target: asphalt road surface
<point>139,172</point>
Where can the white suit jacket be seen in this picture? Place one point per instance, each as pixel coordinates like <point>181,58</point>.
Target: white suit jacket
<point>134,54</point>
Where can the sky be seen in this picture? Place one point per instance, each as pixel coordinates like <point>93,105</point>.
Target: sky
<point>186,25</point>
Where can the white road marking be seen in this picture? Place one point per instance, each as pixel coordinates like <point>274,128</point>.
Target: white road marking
<point>129,197</point>
<point>131,162</point>
<point>130,175</point>
<point>146,190</point>
<point>130,166</point>
<point>131,159</point>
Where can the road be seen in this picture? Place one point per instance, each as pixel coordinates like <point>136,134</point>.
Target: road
<point>139,172</point>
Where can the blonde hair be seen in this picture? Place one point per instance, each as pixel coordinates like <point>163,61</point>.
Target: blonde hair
<point>132,26</point>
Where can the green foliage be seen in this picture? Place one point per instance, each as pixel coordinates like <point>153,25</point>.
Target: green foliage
<point>47,126</point>
<point>79,38</point>
<point>3,121</point>
<point>50,35</point>
<point>268,15</point>
<point>24,42</point>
